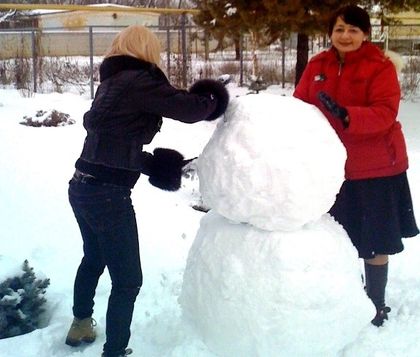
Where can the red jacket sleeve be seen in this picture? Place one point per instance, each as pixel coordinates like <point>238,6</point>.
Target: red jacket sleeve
<point>302,88</point>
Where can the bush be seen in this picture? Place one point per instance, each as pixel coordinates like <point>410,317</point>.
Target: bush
<point>63,73</point>
<point>22,72</point>
<point>410,82</point>
<point>53,74</point>
<point>21,301</point>
<point>44,118</point>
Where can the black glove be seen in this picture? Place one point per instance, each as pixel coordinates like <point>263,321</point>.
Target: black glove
<point>335,109</point>
<point>164,168</point>
<point>215,88</point>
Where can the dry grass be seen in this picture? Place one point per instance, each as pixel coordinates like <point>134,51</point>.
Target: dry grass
<point>410,77</point>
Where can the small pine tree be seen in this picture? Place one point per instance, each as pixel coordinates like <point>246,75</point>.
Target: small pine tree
<point>21,301</point>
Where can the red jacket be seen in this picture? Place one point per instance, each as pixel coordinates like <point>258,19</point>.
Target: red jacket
<point>366,84</point>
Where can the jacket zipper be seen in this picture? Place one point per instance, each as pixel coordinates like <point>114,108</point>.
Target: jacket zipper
<point>340,67</point>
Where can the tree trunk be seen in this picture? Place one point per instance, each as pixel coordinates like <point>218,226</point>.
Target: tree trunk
<point>237,48</point>
<point>206,45</point>
<point>254,48</point>
<point>302,55</point>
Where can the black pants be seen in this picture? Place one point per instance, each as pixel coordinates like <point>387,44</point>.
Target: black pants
<point>109,230</point>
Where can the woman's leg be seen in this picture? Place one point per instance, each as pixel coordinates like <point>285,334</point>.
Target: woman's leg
<point>88,273</point>
<point>119,241</point>
<point>376,273</point>
<point>108,224</point>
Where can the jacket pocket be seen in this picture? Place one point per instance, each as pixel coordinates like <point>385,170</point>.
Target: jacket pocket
<point>369,153</point>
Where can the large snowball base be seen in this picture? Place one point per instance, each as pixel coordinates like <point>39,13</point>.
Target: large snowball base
<point>273,162</point>
<point>251,292</point>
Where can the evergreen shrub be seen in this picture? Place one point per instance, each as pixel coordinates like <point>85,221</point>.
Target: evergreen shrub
<point>51,118</point>
<point>21,303</point>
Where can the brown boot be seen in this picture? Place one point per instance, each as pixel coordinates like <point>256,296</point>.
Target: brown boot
<point>81,330</point>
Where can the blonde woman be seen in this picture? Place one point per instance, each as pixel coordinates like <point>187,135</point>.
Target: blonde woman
<point>126,113</point>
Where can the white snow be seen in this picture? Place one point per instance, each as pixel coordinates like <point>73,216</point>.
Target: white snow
<point>36,223</point>
<point>269,291</point>
<point>273,162</point>
<point>271,267</point>
<point>230,10</point>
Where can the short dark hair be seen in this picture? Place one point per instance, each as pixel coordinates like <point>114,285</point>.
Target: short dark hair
<point>352,15</point>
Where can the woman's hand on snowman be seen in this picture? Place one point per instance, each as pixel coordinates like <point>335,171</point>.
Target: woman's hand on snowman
<point>164,168</point>
<point>214,89</point>
<point>334,108</point>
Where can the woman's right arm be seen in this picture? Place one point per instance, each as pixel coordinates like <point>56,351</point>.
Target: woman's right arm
<point>160,97</point>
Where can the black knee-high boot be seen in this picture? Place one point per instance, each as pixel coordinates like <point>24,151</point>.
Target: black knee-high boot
<point>376,279</point>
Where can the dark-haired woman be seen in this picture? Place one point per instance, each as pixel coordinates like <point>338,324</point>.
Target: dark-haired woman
<point>126,113</point>
<point>356,87</point>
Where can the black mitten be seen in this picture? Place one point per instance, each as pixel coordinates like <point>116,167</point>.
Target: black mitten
<point>334,108</point>
<point>216,89</point>
<point>164,168</point>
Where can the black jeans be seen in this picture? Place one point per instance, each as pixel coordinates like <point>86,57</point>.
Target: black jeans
<point>109,230</point>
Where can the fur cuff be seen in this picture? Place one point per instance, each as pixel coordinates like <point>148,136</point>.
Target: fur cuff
<point>165,169</point>
<point>215,88</point>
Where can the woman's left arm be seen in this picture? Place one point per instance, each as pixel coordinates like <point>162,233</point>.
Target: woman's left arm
<point>382,103</point>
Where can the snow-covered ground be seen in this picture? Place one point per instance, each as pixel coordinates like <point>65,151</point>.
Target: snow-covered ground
<point>36,223</point>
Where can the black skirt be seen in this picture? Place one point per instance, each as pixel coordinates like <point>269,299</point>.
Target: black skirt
<point>376,214</point>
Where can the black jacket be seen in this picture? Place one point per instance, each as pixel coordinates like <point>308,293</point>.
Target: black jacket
<point>127,112</point>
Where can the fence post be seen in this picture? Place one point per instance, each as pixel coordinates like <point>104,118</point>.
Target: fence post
<point>168,47</point>
<point>34,60</point>
<point>184,50</point>
<point>283,61</point>
<point>241,60</point>
<point>92,90</point>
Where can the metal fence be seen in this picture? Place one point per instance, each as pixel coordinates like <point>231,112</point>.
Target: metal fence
<point>33,43</point>
<point>181,43</point>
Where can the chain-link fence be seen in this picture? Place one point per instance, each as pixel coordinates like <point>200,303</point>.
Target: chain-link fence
<point>33,44</point>
<point>188,53</point>
<point>57,55</point>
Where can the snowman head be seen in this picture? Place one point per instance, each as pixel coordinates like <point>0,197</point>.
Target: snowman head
<point>273,162</point>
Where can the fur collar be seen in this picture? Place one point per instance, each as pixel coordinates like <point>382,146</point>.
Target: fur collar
<point>115,64</point>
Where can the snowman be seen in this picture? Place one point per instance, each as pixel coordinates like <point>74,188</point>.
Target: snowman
<point>270,273</point>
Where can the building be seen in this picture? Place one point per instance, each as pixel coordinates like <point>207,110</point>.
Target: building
<point>67,33</point>
<point>401,34</point>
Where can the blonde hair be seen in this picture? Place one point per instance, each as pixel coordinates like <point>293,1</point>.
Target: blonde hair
<point>136,41</point>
